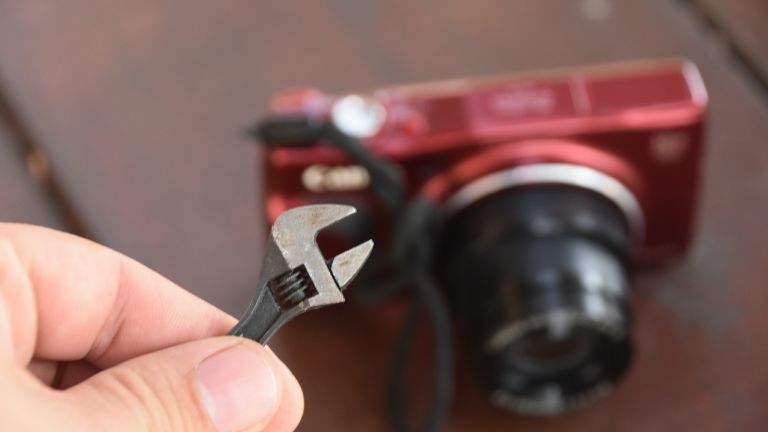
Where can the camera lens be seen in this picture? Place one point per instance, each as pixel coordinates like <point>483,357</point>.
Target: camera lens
<point>539,276</point>
<point>538,352</point>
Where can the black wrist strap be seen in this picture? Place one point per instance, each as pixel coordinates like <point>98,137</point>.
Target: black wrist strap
<point>409,256</point>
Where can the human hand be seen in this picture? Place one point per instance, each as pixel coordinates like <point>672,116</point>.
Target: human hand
<point>91,340</point>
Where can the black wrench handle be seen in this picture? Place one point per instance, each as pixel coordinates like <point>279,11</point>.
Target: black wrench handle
<point>263,318</point>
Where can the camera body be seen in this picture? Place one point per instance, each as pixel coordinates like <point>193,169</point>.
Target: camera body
<point>552,186</point>
<point>640,124</point>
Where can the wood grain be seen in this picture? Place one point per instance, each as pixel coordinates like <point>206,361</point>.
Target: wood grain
<point>742,22</point>
<point>22,199</point>
<point>140,104</point>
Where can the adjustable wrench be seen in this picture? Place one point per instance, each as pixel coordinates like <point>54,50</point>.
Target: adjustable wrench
<point>295,277</point>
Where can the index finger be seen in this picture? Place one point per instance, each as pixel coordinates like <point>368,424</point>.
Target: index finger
<point>66,298</point>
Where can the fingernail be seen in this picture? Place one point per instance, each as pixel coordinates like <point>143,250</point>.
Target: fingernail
<point>238,388</point>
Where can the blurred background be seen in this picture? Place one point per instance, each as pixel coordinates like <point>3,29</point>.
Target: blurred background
<point>123,122</point>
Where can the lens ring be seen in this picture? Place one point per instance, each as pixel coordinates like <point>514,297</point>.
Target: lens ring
<point>553,173</point>
<point>545,310</point>
<point>550,402</point>
<point>611,324</point>
<point>568,348</point>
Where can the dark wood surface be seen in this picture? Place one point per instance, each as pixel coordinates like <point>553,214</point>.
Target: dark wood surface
<point>140,106</point>
<point>22,197</point>
<point>743,23</point>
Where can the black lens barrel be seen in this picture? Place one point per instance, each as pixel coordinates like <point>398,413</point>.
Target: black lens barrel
<point>539,277</point>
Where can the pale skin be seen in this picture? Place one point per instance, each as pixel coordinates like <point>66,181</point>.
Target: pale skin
<point>91,340</point>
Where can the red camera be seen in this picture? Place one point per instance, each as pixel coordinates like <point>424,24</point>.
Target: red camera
<point>552,186</point>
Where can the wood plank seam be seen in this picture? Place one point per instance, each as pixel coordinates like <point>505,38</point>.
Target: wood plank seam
<point>723,36</point>
<point>44,178</point>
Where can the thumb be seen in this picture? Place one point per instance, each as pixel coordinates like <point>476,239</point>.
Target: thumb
<point>220,384</point>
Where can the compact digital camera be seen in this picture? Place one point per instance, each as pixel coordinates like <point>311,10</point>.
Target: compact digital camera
<point>552,187</point>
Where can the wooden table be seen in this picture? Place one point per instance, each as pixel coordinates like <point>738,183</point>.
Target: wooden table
<point>122,121</point>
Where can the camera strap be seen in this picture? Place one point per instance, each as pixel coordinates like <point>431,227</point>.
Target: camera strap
<point>409,256</point>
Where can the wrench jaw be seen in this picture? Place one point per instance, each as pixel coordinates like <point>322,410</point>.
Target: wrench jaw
<point>348,264</point>
<point>295,230</point>
<point>294,234</point>
<point>295,276</point>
